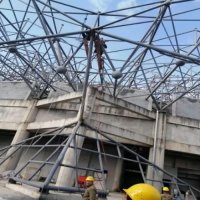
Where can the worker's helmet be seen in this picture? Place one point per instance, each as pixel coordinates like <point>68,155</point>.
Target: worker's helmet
<point>89,178</point>
<point>166,189</point>
<point>143,191</point>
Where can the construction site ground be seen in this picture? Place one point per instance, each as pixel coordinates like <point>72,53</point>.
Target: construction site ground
<point>7,194</point>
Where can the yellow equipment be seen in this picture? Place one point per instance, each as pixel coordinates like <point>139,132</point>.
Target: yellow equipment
<point>89,178</point>
<point>166,189</point>
<point>143,192</point>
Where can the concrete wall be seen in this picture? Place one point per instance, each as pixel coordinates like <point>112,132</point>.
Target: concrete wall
<point>134,125</point>
<point>14,90</point>
<point>32,167</point>
<point>45,115</point>
<point>187,107</point>
<point>136,97</point>
<point>183,166</point>
<point>183,134</point>
<point>61,89</point>
<point>128,123</point>
<point>12,114</point>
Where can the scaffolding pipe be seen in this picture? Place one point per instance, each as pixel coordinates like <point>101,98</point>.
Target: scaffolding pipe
<point>154,145</point>
<point>52,187</point>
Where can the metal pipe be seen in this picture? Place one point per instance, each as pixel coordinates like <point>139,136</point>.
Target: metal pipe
<point>68,189</point>
<point>43,37</point>
<point>43,162</point>
<point>100,162</point>
<point>142,158</point>
<point>160,50</point>
<point>46,161</point>
<point>61,156</point>
<point>178,189</point>
<point>157,2</point>
<point>42,21</point>
<point>55,188</point>
<point>69,59</point>
<point>63,165</point>
<point>75,161</point>
<point>192,193</point>
<point>112,156</point>
<point>6,158</point>
<point>31,183</point>
<point>157,173</point>
<point>141,170</point>
<point>168,182</point>
<point>155,144</point>
<point>129,16</point>
<point>107,56</point>
<point>36,146</point>
<point>86,26</point>
<point>87,73</point>
<point>82,168</point>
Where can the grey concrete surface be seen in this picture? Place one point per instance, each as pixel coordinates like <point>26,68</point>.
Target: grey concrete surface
<point>7,194</point>
<point>186,107</point>
<point>60,196</point>
<point>14,90</point>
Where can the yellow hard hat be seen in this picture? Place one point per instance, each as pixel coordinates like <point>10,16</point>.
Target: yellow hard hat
<point>143,191</point>
<point>166,189</point>
<point>89,178</point>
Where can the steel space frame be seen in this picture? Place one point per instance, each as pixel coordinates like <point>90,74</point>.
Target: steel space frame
<point>37,57</point>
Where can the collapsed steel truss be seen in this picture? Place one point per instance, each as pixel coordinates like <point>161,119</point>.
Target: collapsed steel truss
<point>34,44</point>
<point>70,142</point>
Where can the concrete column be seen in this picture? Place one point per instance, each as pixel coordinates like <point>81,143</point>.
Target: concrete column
<point>20,135</point>
<point>160,152</point>
<point>66,175</point>
<point>118,174</point>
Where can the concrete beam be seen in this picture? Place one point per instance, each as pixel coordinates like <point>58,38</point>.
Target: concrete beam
<point>180,147</point>
<point>102,109</point>
<point>64,98</point>
<point>50,124</point>
<point>125,105</point>
<point>11,126</point>
<point>92,134</point>
<point>107,128</point>
<point>15,103</point>
<point>117,139</point>
<point>123,133</point>
<point>183,121</point>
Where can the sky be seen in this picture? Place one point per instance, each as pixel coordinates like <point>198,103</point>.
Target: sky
<point>134,32</point>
